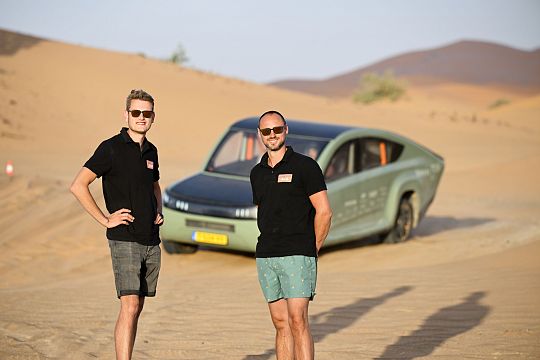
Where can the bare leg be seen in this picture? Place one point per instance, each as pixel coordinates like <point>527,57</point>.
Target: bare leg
<point>284,339</point>
<point>299,324</point>
<point>126,326</point>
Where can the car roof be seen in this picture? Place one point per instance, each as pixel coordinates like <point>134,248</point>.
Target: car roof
<point>300,127</point>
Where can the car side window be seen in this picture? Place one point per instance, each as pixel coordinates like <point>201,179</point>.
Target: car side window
<point>393,151</point>
<point>375,152</point>
<point>342,163</point>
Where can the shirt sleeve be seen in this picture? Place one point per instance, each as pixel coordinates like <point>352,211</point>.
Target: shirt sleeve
<point>313,178</point>
<point>101,162</point>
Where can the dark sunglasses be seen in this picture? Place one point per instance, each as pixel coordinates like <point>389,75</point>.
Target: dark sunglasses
<point>276,129</point>
<point>145,113</point>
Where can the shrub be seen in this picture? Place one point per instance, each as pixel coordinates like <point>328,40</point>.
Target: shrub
<point>375,87</point>
<point>179,56</point>
<point>498,103</point>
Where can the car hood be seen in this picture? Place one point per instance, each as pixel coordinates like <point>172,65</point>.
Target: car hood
<point>204,188</point>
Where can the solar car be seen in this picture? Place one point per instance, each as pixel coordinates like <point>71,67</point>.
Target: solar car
<point>379,183</point>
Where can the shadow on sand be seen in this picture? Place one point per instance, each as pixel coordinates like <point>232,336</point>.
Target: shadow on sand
<point>430,225</point>
<point>339,318</point>
<point>439,327</point>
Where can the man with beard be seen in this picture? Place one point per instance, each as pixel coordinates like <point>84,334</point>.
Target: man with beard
<point>293,218</point>
<point>128,165</point>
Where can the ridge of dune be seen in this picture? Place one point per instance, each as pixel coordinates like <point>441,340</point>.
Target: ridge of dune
<point>471,62</point>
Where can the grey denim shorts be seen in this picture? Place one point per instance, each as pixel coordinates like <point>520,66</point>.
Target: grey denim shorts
<point>136,267</point>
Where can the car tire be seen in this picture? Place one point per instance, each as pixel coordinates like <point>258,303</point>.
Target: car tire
<point>402,225</point>
<point>173,247</point>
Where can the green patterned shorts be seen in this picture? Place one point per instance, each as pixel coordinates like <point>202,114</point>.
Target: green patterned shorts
<point>287,277</point>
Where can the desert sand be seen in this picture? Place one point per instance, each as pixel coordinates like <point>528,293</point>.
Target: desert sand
<point>466,286</point>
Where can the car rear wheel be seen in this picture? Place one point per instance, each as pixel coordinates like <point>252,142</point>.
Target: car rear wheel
<point>173,247</point>
<point>403,224</point>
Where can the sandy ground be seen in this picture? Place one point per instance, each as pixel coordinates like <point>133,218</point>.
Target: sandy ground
<point>466,286</point>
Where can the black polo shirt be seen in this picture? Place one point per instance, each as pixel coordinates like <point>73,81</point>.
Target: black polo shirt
<point>285,214</point>
<point>129,172</point>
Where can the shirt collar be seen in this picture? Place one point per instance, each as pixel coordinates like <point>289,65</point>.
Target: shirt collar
<point>125,135</point>
<point>288,153</point>
<point>127,139</point>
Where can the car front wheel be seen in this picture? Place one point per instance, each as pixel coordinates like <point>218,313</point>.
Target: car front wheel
<point>402,225</point>
<point>173,247</point>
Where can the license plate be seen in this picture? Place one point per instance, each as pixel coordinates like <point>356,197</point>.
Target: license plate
<point>209,238</point>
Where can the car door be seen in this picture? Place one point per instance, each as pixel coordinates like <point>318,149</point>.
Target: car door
<point>374,160</point>
<point>342,192</point>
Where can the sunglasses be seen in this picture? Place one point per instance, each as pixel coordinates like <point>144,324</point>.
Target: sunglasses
<point>276,130</point>
<point>145,113</point>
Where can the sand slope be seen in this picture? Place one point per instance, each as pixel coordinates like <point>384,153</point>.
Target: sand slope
<point>466,285</point>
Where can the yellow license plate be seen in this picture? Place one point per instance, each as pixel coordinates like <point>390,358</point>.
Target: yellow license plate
<point>210,238</point>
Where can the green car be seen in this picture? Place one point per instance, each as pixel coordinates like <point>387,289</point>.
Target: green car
<point>379,183</point>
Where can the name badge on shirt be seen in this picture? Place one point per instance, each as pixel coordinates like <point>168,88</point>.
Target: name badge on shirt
<point>150,164</point>
<point>284,178</point>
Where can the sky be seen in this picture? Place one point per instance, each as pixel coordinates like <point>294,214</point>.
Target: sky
<point>264,41</point>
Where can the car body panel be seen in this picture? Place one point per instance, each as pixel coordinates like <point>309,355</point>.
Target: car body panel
<point>241,234</point>
<point>207,188</point>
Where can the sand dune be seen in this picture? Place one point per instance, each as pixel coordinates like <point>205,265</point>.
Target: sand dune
<point>470,62</point>
<point>465,286</point>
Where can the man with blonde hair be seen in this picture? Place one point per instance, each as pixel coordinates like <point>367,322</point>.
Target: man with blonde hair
<point>129,168</point>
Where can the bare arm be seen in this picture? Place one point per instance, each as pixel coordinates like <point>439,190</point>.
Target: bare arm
<point>157,193</point>
<point>80,189</point>
<point>323,217</point>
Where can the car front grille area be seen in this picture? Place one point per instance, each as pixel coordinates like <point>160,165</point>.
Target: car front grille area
<point>210,225</point>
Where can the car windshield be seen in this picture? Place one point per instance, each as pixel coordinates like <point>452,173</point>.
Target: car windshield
<point>240,150</point>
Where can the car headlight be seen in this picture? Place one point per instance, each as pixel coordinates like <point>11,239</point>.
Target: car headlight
<point>181,205</point>
<point>173,203</point>
<point>246,213</point>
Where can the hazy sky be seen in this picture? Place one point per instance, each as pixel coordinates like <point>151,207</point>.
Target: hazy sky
<point>270,40</point>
